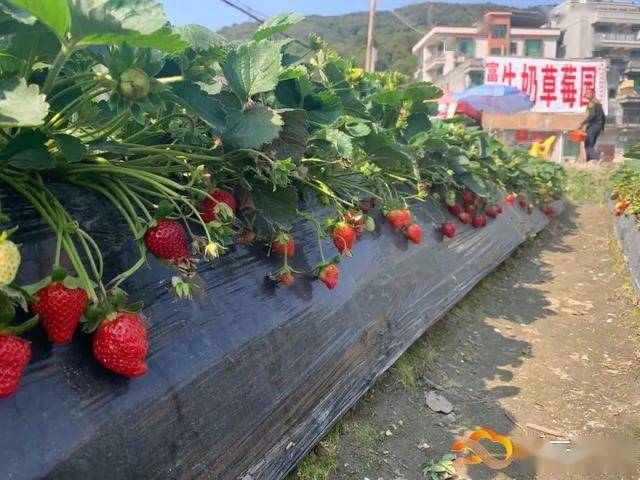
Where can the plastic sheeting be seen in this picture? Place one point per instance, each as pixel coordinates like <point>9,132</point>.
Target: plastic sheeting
<point>245,379</point>
<point>628,236</point>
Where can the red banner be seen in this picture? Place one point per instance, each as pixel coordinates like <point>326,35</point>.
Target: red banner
<point>555,86</point>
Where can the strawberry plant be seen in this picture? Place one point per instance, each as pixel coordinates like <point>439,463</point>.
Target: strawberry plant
<point>200,144</point>
<point>626,185</point>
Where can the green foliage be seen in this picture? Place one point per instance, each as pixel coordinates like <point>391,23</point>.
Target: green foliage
<point>626,187</point>
<point>159,120</point>
<point>443,469</point>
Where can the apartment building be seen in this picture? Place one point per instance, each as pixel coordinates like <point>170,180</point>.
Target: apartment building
<point>608,29</point>
<point>452,56</point>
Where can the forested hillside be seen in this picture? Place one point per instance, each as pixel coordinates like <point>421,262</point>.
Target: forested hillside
<point>394,39</point>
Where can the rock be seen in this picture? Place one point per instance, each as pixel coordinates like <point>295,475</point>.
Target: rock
<point>423,446</point>
<point>450,418</point>
<point>438,403</point>
<point>388,433</point>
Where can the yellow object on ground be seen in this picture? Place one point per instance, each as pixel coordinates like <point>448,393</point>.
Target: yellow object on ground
<point>542,149</point>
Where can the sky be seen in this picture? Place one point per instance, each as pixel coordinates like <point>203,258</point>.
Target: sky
<point>215,14</point>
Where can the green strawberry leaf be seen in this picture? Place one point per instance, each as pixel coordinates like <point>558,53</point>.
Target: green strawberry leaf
<point>53,13</point>
<point>277,24</point>
<point>17,14</point>
<point>323,108</point>
<point>200,38</point>
<point>71,147</point>
<point>254,67</point>
<point>207,107</point>
<point>254,127</point>
<point>137,22</point>
<point>294,136</point>
<point>32,159</point>
<point>21,105</point>
<point>278,206</point>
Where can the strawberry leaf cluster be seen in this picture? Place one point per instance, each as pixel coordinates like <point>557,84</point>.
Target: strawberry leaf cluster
<point>201,144</point>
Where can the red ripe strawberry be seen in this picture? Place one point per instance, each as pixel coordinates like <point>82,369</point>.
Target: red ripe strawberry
<point>468,196</point>
<point>478,221</point>
<point>511,198</point>
<point>121,345</point>
<point>167,240</point>
<point>465,217</point>
<point>406,215</point>
<point>455,209</point>
<point>549,211</point>
<point>523,203</point>
<point>396,218</point>
<point>491,211</point>
<point>470,208</point>
<point>15,354</point>
<point>344,238</point>
<point>208,205</point>
<point>286,279</point>
<point>414,233</point>
<point>499,209</point>
<point>448,229</point>
<point>283,242</point>
<point>329,275</point>
<point>60,309</point>
<point>350,218</point>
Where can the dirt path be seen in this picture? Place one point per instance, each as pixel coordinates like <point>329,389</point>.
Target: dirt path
<point>550,338</point>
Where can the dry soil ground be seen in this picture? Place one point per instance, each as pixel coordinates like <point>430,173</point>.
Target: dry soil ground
<point>551,338</point>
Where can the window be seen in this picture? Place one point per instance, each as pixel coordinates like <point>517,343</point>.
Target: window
<point>612,93</point>
<point>533,48</point>
<point>513,48</point>
<point>496,51</point>
<point>631,116</point>
<point>440,49</point>
<point>600,53</point>
<point>499,31</point>
<point>602,28</point>
<point>466,46</point>
<point>635,54</point>
<point>476,78</point>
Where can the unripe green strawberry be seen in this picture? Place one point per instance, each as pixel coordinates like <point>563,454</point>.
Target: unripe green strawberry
<point>9,261</point>
<point>450,200</point>
<point>134,84</point>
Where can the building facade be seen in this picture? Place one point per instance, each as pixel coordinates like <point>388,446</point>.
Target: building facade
<point>608,29</point>
<point>452,56</point>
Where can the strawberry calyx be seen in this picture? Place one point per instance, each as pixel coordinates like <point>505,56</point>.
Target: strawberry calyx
<point>285,276</point>
<point>115,302</point>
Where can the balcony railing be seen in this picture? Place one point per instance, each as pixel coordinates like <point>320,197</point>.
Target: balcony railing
<point>617,38</point>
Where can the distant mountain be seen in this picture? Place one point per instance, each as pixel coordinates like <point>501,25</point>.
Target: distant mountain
<point>394,36</point>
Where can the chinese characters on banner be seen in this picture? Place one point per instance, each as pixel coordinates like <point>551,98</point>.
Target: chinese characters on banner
<point>555,86</point>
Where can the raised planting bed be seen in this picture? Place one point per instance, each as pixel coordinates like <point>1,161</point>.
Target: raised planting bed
<point>246,378</point>
<point>628,236</point>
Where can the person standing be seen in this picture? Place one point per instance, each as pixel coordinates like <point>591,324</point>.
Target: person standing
<point>593,125</point>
